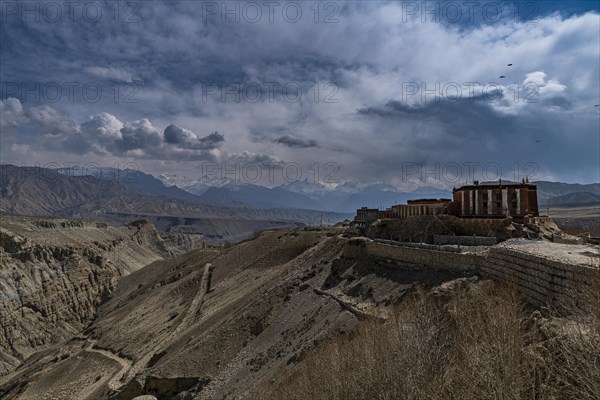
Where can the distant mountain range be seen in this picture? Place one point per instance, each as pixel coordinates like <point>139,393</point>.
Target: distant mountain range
<point>304,194</point>
<point>349,196</point>
<point>345,198</point>
<point>47,192</point>
<point>214,207</point>
<point>567,194</point>
<point>330,200</point>
<point>134,180</point>
<point>260,196</point>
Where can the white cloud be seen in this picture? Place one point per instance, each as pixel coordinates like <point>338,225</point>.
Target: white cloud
<point>547,87</point>
<point>44,128</point>
<point>11,112</point>
<point>104,125</point>
<point>117,74</point>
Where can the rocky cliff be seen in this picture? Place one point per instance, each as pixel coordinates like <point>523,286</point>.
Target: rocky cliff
<point>55,272</point>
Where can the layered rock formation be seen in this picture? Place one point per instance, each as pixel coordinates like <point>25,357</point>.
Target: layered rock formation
<point>55,272</point>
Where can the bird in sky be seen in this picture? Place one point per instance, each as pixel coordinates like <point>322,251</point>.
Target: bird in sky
<point>510,65</point>
<point>502,76</point>
<point>537,141</point>
<point>597,105</point>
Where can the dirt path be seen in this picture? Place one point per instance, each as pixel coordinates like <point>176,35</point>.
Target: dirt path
<point>361,315</point>
<point>188,317</point>
<point>128,369</point>
<point>114,382</point>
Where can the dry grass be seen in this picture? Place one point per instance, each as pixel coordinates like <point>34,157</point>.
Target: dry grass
<point>575,346</point>
<point>476,342</point>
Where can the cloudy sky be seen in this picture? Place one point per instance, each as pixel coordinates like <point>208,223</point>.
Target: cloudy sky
<point>405,93</point>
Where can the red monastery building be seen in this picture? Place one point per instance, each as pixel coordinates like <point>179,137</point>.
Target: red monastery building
<point>495,201</point>
<point>485,201</point>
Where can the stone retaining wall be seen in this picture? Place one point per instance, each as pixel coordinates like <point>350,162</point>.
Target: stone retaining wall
<point>542,280</point>
<point>449,248</point>
<point>465,240</point>
<point>402,255</point>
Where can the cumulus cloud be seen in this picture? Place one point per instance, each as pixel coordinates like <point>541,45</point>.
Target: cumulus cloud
<point>45,128</point>
<point>139,134</point>
<point>10,113</point>
<point>104,126</point>
<point>176,135</point>
<point>213,140</point>
<point>48,121</point>
<point>550,91</point>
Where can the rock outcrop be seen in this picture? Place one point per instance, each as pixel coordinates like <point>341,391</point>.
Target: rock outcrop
<point>55,272</point>
<point>180,243</point>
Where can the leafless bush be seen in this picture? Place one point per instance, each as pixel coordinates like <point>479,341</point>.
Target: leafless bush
<point>574,341</point>
<point>474,342</point>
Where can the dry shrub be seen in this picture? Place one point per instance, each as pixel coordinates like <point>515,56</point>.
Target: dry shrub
<point>574,341</point>
<point>475,342</point>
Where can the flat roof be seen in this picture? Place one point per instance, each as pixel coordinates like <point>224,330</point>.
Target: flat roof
<point>575,254</point>
<point>497,186</point>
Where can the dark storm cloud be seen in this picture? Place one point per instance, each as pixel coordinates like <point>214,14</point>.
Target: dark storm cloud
<point>154,72</point>
<point>185,138</point>
<point>139,135</point>
<point>463,121</point>
<point>293,142</point>
<point>175,135</point>
<point>213,140</point>
<point>480,132</point>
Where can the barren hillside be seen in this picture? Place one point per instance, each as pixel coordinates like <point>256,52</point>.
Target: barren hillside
<point>54,272</point>
<point>213,324</point>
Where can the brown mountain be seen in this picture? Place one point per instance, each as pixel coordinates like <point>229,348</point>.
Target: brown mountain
<point>41,191</point>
